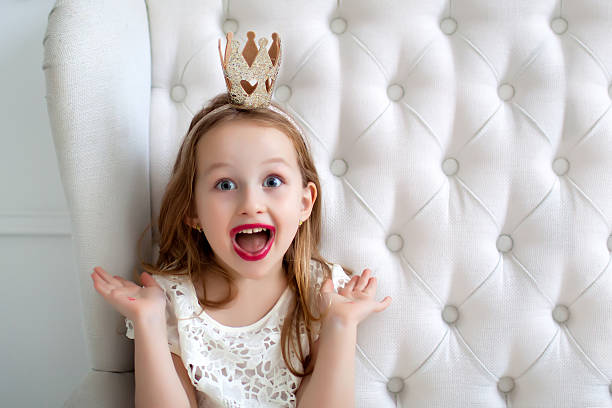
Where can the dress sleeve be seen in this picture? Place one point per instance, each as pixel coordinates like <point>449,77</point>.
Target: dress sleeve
<point>339,277</point>
<point>171,320</point>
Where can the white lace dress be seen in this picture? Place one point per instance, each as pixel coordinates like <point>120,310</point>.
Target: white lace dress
<point>234,367</point>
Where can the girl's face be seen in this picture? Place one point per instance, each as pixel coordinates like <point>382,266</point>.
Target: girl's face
<point>248,174</point>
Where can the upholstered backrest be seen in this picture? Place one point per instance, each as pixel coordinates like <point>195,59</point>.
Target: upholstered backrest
<point>464,153</point>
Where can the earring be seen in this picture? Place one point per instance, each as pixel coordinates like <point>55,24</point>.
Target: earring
<point>300,222</point>
<point>198,228</point>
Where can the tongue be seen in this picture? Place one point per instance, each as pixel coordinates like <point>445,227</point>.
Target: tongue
<point>252,242</point>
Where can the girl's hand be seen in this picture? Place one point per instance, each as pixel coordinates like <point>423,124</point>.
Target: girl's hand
<point>354,302</point>
<point>129,299</point>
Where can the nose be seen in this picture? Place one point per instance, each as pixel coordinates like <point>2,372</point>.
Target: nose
<point>251,200</point>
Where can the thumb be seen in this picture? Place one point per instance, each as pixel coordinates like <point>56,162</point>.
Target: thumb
<point>327,287</point>
<point>383,304</point>
<point>147,279</point>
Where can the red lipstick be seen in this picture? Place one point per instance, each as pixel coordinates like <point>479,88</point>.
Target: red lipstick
<point>247,256</point>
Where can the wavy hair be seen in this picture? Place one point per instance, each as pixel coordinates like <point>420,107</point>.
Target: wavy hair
<point>185,251</point>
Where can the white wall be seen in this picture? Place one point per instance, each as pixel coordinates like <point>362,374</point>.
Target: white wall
<point>44,355</point>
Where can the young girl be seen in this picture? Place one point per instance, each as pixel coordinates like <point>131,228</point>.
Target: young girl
<point>240,309</point>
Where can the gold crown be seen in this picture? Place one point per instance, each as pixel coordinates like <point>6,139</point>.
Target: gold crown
<point>250,75</point>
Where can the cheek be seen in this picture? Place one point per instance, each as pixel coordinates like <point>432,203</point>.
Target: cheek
<point>210,199</point>
<point>289,208</point>
<point>212,211</point>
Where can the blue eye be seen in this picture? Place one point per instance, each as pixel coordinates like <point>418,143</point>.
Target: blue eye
<point>272,178</point>
<point>228,183</point>
<point>223,182</point>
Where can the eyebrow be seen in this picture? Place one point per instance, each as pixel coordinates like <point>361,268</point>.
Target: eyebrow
<point>221,164</point>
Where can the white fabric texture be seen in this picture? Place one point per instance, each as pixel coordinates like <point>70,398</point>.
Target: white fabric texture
<point>235,366</point>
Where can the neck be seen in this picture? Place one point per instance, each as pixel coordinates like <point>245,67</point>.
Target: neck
<point>272,284</point>
<point>274,281</point>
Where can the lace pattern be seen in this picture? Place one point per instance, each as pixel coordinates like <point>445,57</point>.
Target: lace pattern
<point>234,366</point>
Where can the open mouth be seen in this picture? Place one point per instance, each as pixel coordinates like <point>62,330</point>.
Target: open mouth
<point>253,242</point>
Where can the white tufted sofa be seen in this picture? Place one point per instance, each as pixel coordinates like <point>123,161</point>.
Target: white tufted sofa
<point>464,150</point>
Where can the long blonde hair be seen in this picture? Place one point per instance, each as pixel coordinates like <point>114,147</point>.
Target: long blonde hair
<point>185,251</point>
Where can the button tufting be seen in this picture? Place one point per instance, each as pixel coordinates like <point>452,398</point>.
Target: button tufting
<point>450,314</point>
<point>610,243</point>
<point>339,167</point>
<point>395,92</point>
<point>505,92</point>
<point>450,166</point>
<point>505,384</point>
<point>230,25</point>
<point>560,166</point>
<point>560,313</point>
<point>504,243</point>
<point>395,385</point>
<point>178,93</point>
<point>395,242</point>
<point>448,26</point>
<point>559,25</point>
<point>338,25</point>
<point>283,93</point>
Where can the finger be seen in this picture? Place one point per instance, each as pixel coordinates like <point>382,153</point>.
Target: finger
<point>107,289</point>
<point>103,274</point>
<point>351,284</point>
<point>370,288</point>
<point>123,282</point>
<point>383,304</point>
<point>100,285</point>
<point>147,280</point>
<point>107,284</point>
<point>128,284</point>
<point>363,280</point>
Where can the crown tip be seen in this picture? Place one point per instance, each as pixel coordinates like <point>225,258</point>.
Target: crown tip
<point>251,86</point>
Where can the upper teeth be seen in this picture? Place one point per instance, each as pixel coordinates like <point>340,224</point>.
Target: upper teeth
<point>253,230</point>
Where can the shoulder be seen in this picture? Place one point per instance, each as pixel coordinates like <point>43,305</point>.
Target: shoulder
<point>178,290</point>
<point>165,281</point>
<point>173,285</point>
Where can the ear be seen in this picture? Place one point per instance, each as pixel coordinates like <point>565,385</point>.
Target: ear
<point>309,196</point>
<point>191,217</point>
<point>191,221</point>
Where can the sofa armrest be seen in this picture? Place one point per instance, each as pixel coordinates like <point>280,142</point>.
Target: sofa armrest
<point>97,65</point>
